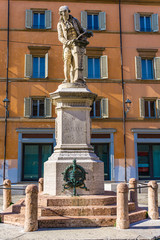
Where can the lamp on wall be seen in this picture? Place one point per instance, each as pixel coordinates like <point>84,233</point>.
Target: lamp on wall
<point>6,104</point>
<point>127,106</point>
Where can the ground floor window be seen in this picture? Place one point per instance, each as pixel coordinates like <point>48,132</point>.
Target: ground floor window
<point>149,161</point>
<point>102,151</point>
<point>34,156</point>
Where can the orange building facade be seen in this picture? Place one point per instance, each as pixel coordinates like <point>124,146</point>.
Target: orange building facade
<point>122,62</point>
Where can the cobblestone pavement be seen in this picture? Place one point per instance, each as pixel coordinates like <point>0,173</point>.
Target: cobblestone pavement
<point>147,229</point>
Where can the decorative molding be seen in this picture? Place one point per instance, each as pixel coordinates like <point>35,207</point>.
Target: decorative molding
<point>95,51</point>
<point>145,130</point>
<point>146,52</point>
<point>38,50</point>
<point>35,130</point>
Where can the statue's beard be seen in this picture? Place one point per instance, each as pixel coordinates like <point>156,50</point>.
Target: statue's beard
<point>65,18</point>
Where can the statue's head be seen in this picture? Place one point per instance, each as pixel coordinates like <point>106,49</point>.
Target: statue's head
<point>64,12</point>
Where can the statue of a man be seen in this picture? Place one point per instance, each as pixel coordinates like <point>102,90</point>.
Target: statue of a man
<point>74,40</point>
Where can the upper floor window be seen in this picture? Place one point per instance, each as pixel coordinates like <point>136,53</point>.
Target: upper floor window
<point>93,20</point>
<point>147,65</point>
<point>100,108</point>
<point>36,63</point>
<point>146,22</point>
<point>37,107</point>
<point>147,68</point>
<point>38,67</point>
<point>38,19</point>
<point>149,107</point>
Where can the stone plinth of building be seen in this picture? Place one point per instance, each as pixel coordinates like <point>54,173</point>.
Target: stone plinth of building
<point>73,133</point>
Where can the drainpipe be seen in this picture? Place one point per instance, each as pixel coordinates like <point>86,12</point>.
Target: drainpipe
<point>6,108</point>
<point>123,92</point>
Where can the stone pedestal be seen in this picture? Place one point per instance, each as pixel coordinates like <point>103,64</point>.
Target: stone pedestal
<point>73,131</point>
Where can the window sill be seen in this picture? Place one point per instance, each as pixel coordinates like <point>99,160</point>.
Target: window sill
<point>38,29</point>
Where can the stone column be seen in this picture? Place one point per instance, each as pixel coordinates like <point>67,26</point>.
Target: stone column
<point>40,185</point>
<point>6,194</point>
<point>122,206</point>
<point>153,200</point>
<point>31,210</point>
<point>133,192</point>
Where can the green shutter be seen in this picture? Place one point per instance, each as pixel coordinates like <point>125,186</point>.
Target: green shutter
<point>137,22</point>
<point>155,25</point>
<point>28,66</point>
<point>158,108</point>
<point>46,65</point>
<point>104,108</point>
<point>28,22</point>
<point>141,108</point>
<point>85,66</point>
<point>27,107</point>
<point>157,67</point>
<point>102,21</point>
<point>138,67</point>
<point>104,66</point>
<point>84,19</point>
<point>48,19</point>
<point>48,107</point>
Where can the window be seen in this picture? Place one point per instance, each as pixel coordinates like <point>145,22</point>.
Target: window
<point>146,22</point>
<point>148,161</point>
<point>100,108</point>
<point>149,108</point>
<point>95,67</point>
<point>38,67</point>
<point>36,63</point>
<point>37,107</point>
<point>93,20</point>
<point>38,19</point>
<point>147,65</point>
<point>147,68</point>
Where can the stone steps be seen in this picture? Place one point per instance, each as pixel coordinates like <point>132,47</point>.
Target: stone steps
<point>91,200</point>
<point>81,211</point>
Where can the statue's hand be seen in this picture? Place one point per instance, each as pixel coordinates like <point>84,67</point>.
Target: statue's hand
<point>69,42</point>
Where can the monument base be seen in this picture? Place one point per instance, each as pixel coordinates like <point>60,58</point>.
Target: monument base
<point>53,181</point>
<point>73,132</point>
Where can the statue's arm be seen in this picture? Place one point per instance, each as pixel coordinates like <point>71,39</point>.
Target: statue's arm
<point>60,34</point>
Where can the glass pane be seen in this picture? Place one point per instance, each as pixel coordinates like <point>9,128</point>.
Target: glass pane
<point>143,161</point>
<point>144,69</point>
<point>42,20</point>
<point>101,150</point>
<point>90,67</point>
<point>41,108</point>
<point>46,153</point>
<point>34,108</point>
<point>156,161</point>
<point>89,21</point>
<point>96,25</point>
<point>97,67</point>
<point>92,111</point>
<point>35,20</point>
<point>98,108</point>
<point>146,109</point>
<point>142,26</point>
<point>150,69</point>
<point>152,108</point>
<point>42,67</point>
<point>35,67</point>
<point>148,24</point>
<point>31,155</point>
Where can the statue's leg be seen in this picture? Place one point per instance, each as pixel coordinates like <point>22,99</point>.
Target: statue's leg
<point>78,53</point>
<point>67,63</point>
